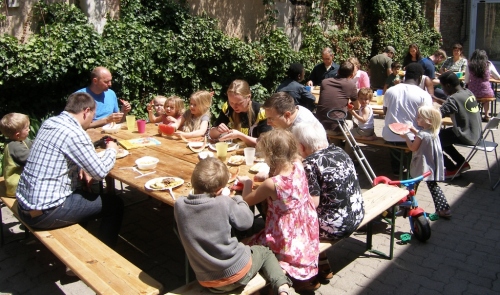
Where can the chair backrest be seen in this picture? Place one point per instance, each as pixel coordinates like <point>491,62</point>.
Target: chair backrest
<point>492,124</point>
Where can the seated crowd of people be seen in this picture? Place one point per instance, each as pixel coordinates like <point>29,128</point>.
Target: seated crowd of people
<point>312,181</point>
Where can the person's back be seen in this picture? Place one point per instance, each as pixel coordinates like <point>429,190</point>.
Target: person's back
<point>402,102</point>
<point>380,67</point>
<point>296,90</point>
<point>204,221</point>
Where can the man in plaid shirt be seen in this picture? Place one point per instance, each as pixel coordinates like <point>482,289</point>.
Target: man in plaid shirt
<point>62,163</point>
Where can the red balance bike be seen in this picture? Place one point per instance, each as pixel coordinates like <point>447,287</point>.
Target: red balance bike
<point>408,206</point>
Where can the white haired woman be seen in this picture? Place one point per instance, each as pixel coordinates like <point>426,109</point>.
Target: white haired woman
<point>333,185</point>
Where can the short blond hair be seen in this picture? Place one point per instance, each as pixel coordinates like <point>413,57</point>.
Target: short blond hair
<point>13,123</point>
<point>366,92</point>
<point>209,176</point>
<point>432,116</point>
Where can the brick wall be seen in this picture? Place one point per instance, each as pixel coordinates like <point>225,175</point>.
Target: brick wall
<point>453,23</point>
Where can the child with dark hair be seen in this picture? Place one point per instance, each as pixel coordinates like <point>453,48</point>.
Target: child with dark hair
<point>205,219</point>
<point>292,86</point>
<point>393,78</point>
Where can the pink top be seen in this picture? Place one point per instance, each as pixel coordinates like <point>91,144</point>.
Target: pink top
<point>164,119</point>
<point>292,229</point>
<point>481,88</point>
<point>361,79</point>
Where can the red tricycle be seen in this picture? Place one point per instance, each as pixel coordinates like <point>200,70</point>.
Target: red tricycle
<point>408,206</point>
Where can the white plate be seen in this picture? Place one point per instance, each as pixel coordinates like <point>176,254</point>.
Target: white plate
<point>195,144</point>
<point>236,160</point>
<point>232,146</point>
<point>119,155</point>
<point>154,180</point>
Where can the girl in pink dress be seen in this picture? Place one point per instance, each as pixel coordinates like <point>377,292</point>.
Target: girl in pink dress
<point>291,230</point>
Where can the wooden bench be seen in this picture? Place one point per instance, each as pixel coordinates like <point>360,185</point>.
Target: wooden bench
<point>97,265</point>
<point>377,200</point>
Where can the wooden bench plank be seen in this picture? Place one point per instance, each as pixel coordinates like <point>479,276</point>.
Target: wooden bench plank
<point>377,142</point>
<point>99,266</point>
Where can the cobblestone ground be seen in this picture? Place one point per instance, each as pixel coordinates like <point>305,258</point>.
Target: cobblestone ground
<point>461,257</point>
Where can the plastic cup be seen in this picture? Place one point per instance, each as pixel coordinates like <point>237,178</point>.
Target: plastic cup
<point>380,92</point>
<point>141,126</point>
<point>130,122</point>
<point>221,148</point>
<point>249,153</point>
<point>380,99</point>
<point>459,74</point>
<point>309,88</point>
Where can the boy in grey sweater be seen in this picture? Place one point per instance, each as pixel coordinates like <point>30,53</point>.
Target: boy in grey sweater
<point>204,221</point>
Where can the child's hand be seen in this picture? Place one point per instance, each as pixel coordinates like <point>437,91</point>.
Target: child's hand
<point>149,106</point>
<point>171,119</point>
<point>413,130</point>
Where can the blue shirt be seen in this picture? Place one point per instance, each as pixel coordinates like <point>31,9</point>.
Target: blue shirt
<point>106,102</point>
<point>60,150</point>
<point>429,68</point>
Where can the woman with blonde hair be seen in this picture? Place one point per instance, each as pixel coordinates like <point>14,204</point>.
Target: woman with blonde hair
<point>195,121</point>
<point>240,117</point>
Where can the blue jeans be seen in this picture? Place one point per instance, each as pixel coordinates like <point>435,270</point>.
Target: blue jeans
<point>81,207</point>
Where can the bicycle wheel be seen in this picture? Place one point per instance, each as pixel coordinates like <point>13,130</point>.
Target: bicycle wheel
<point>421,228</point>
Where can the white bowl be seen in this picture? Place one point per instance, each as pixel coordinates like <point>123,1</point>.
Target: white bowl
<point>147,163</point>
<point>111,129</point>
<point>204,155</point>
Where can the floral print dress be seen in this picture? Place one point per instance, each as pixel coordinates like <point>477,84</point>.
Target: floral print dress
<point>291,230</point>
<point>332,177</point>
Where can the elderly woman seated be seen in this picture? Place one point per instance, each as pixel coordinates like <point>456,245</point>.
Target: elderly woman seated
<point>333,185</point>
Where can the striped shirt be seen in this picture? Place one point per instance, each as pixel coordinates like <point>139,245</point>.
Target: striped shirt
<point>51,173</point>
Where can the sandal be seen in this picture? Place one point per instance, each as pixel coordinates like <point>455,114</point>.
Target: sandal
<point>324,271</point>
<point>288,290</point>
<point>486,119</point>
<point>444,213</point>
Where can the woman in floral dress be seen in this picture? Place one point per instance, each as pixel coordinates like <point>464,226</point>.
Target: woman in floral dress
<point>333,185</point>
<point>291,229</point>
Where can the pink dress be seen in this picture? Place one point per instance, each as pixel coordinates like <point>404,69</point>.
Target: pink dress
<point>292,229</point>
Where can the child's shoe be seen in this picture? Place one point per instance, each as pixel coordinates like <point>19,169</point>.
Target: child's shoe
<point>324,271</point>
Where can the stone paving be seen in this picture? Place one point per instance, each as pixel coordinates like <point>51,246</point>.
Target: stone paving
<point>461,257</point>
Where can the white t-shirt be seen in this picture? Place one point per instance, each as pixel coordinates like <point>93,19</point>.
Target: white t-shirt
<point>402,102</point>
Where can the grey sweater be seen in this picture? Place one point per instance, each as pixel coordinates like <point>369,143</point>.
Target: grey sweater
<point>463,110</point>
<point>204,225</point>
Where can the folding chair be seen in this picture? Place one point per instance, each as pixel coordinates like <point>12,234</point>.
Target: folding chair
<point>484,145</point>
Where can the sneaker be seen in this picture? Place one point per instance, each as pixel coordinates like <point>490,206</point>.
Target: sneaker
<point>449,174</point>
<point>465,167</point>
<point>309,285</point>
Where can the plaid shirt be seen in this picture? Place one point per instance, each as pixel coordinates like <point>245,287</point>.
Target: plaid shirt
<point>51,173</point>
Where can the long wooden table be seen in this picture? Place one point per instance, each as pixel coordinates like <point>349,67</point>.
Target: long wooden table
<point>176,160</point>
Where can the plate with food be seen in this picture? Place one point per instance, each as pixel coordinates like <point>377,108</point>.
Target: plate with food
<point>163,183</point>
<point>233,173</point>
<point>231,147</point>
<point>399,128</point>
<point>122,153</point>
<point>259,167</point>
<point>236,160</point>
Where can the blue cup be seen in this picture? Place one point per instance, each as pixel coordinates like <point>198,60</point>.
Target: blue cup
<point>380,92</point>
<point>309,88</point>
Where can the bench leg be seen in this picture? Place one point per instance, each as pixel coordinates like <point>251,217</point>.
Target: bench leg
<point>1,226</point>
<point>369,236</point>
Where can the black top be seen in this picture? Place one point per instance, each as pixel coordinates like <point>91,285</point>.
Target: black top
<point>257,126</point>
<point>319,73</point>
<point>298,92</point>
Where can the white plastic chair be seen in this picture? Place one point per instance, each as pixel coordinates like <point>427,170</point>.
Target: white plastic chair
<point>484,145</point>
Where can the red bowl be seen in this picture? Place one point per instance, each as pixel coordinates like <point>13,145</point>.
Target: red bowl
<point>166,129</point>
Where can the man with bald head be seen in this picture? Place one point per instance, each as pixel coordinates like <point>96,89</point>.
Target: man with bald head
<point>327,69</point>
<point>107,103</point>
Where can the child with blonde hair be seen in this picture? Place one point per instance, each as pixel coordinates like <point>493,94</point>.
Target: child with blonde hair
<point>291,212</point>
<point>195,121</point>
<point>205,219</point>
<point>16,127</point>
<point>364,115</point>
<point>428,156</point>
<point>168,110</point>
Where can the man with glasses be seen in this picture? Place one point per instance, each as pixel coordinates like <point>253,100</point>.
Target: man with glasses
<point>52,191</point>
<point>107,103</point>
<point>327,69</point>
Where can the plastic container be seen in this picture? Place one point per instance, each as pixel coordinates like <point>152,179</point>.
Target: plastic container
<point>147,163</point>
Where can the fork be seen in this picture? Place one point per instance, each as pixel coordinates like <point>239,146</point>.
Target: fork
<point>171,192</point>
